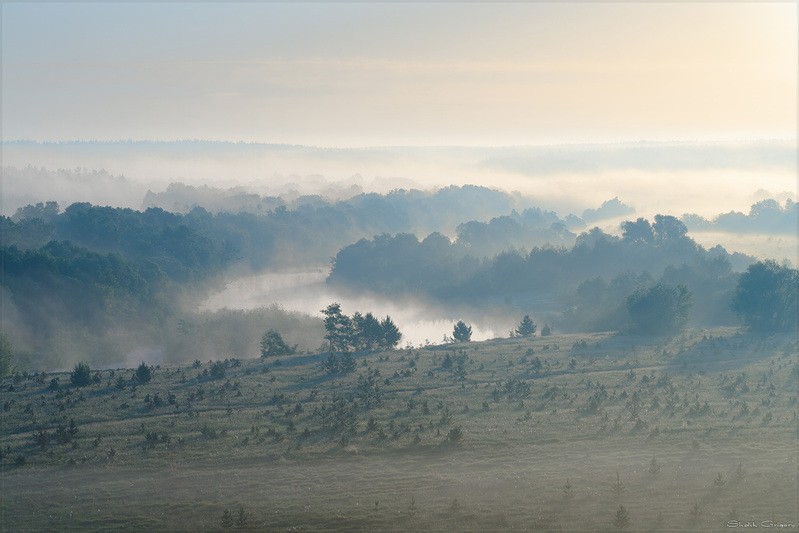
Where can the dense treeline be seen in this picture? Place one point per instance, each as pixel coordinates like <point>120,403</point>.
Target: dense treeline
<point>62,296</point>
<point>589,283</point>
<point>765,216</point>
<point>194,245</point>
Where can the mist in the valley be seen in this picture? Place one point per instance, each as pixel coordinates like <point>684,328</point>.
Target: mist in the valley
<point>216,238</point>
<point>420,322</point>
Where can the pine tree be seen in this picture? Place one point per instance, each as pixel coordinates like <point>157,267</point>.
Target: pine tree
<point>390,333</point>
<point>461,332</point>
<point>143,373</point>
<point>81,375</point>
<point>622,518</point>
<point>339,327</point>
<point>526,327</point>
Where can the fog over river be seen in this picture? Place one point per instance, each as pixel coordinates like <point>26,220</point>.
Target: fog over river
<point>305,291</point>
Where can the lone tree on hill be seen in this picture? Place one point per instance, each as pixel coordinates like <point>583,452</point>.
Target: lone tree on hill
<point>526,327</point>
<point>461,332</point>
<point>81,375</point>
<point>143,373</point>
<point>660,309</point>
<point>767,297</point>
<point>272,345</point>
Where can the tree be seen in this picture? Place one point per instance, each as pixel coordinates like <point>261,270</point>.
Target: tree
<point>526,327</point>
<point>667,227</point>
<point>622,518</point>
<point>368,333</point>
<point>546,331</point>
<point>273,345</point>
<point>339,327</point>
<point>660,309</point>
<point>767,296</point>
<point>390,333</point>
<point>462,332</point>
<point>81,375</point>
<point>143,373</point>
<point>639,231</point>
<point>6,355</point>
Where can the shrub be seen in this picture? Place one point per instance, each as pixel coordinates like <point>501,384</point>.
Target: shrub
<point>455,435</point>
<point>218,370</point>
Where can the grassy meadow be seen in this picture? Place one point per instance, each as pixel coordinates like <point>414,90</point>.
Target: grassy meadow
<point>690,433</point>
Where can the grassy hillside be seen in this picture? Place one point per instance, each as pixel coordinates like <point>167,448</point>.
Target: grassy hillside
<point>544,433</point>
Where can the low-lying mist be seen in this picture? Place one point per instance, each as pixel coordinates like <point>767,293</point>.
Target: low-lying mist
<point>684,177</point>
<point>305,291</point>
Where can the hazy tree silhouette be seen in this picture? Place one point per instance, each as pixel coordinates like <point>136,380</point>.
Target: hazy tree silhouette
<point>81,375</point>
<point>143,373</point>
<point>339,328</point>
<point>272,344</point>
<point>526,327</point>
<point>660,309</point>
<point>390,333</point>
<point>767,296</point>
<point>461,332</point>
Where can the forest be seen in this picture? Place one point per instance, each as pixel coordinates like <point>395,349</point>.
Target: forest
<point>75,281</point>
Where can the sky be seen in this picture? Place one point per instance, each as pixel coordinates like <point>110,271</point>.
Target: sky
<point>399,74</point>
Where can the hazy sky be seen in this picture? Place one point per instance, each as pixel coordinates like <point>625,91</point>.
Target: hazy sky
<point>399,74</point>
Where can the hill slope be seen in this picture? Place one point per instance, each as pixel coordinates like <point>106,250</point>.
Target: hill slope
<point>543,433</point>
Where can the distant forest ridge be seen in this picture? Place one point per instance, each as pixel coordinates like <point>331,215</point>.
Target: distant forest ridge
<point>773,215</point>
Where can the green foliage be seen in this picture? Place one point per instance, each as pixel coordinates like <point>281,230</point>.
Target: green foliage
<point>461,332</point>
<point>143,373</point>
<point>767,296</point>
<point>359,332</point>
<point>526,327</point>
<point>339,328</point>
<point>390,334</point>
<point>6,355</point>
<point>660,309</point>
<point>546,331</point>
<point>272,345</point>
<point>81,375</point>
